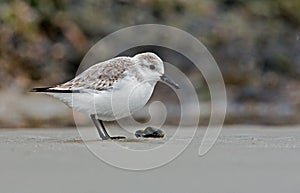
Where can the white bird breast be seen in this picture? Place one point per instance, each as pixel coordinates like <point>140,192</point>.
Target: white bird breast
<point>124,99</point>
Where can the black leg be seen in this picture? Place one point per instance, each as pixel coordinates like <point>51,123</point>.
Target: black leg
<point>102,133</point>
<point>106,134</point>
<point>104,130</point>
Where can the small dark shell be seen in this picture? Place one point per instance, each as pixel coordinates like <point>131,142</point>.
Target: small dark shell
<point>149,132</point>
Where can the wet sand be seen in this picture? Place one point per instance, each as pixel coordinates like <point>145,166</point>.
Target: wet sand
<point>245,159</point>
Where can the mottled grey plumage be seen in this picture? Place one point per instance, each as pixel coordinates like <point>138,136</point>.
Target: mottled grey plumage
<point>101,76</point>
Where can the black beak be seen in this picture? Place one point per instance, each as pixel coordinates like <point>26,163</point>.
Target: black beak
<point>165,79</point>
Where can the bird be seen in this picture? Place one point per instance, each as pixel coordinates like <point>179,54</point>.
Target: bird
<point>112,89</point>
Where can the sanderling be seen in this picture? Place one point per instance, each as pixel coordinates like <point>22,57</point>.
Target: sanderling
<point>96,90</point>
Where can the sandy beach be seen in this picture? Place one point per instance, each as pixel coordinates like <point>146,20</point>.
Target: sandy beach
<point>245,159</point>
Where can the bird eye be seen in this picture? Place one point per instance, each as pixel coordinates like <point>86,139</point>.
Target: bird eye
<point>152,67</point>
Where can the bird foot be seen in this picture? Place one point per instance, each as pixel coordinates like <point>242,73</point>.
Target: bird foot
<point>117,137</point>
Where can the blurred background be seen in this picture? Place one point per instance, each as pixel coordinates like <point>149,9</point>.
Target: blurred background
<point>255,43</point>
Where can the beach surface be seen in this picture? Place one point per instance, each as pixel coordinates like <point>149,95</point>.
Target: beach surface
<point>245,159</point>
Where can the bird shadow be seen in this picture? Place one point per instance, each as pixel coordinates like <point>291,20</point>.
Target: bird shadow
<point>80,141</point>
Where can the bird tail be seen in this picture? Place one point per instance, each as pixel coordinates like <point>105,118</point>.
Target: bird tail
<point>44,89</point>
<point>55,90</point>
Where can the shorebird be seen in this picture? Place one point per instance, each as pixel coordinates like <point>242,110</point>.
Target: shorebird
<point>112,89</point>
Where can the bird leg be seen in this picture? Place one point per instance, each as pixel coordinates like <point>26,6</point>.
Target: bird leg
<point>103,134</point>
<point>106,134</point>
<point>101,129</point>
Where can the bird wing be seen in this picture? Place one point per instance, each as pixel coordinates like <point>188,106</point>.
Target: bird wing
<point>99,77</point>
